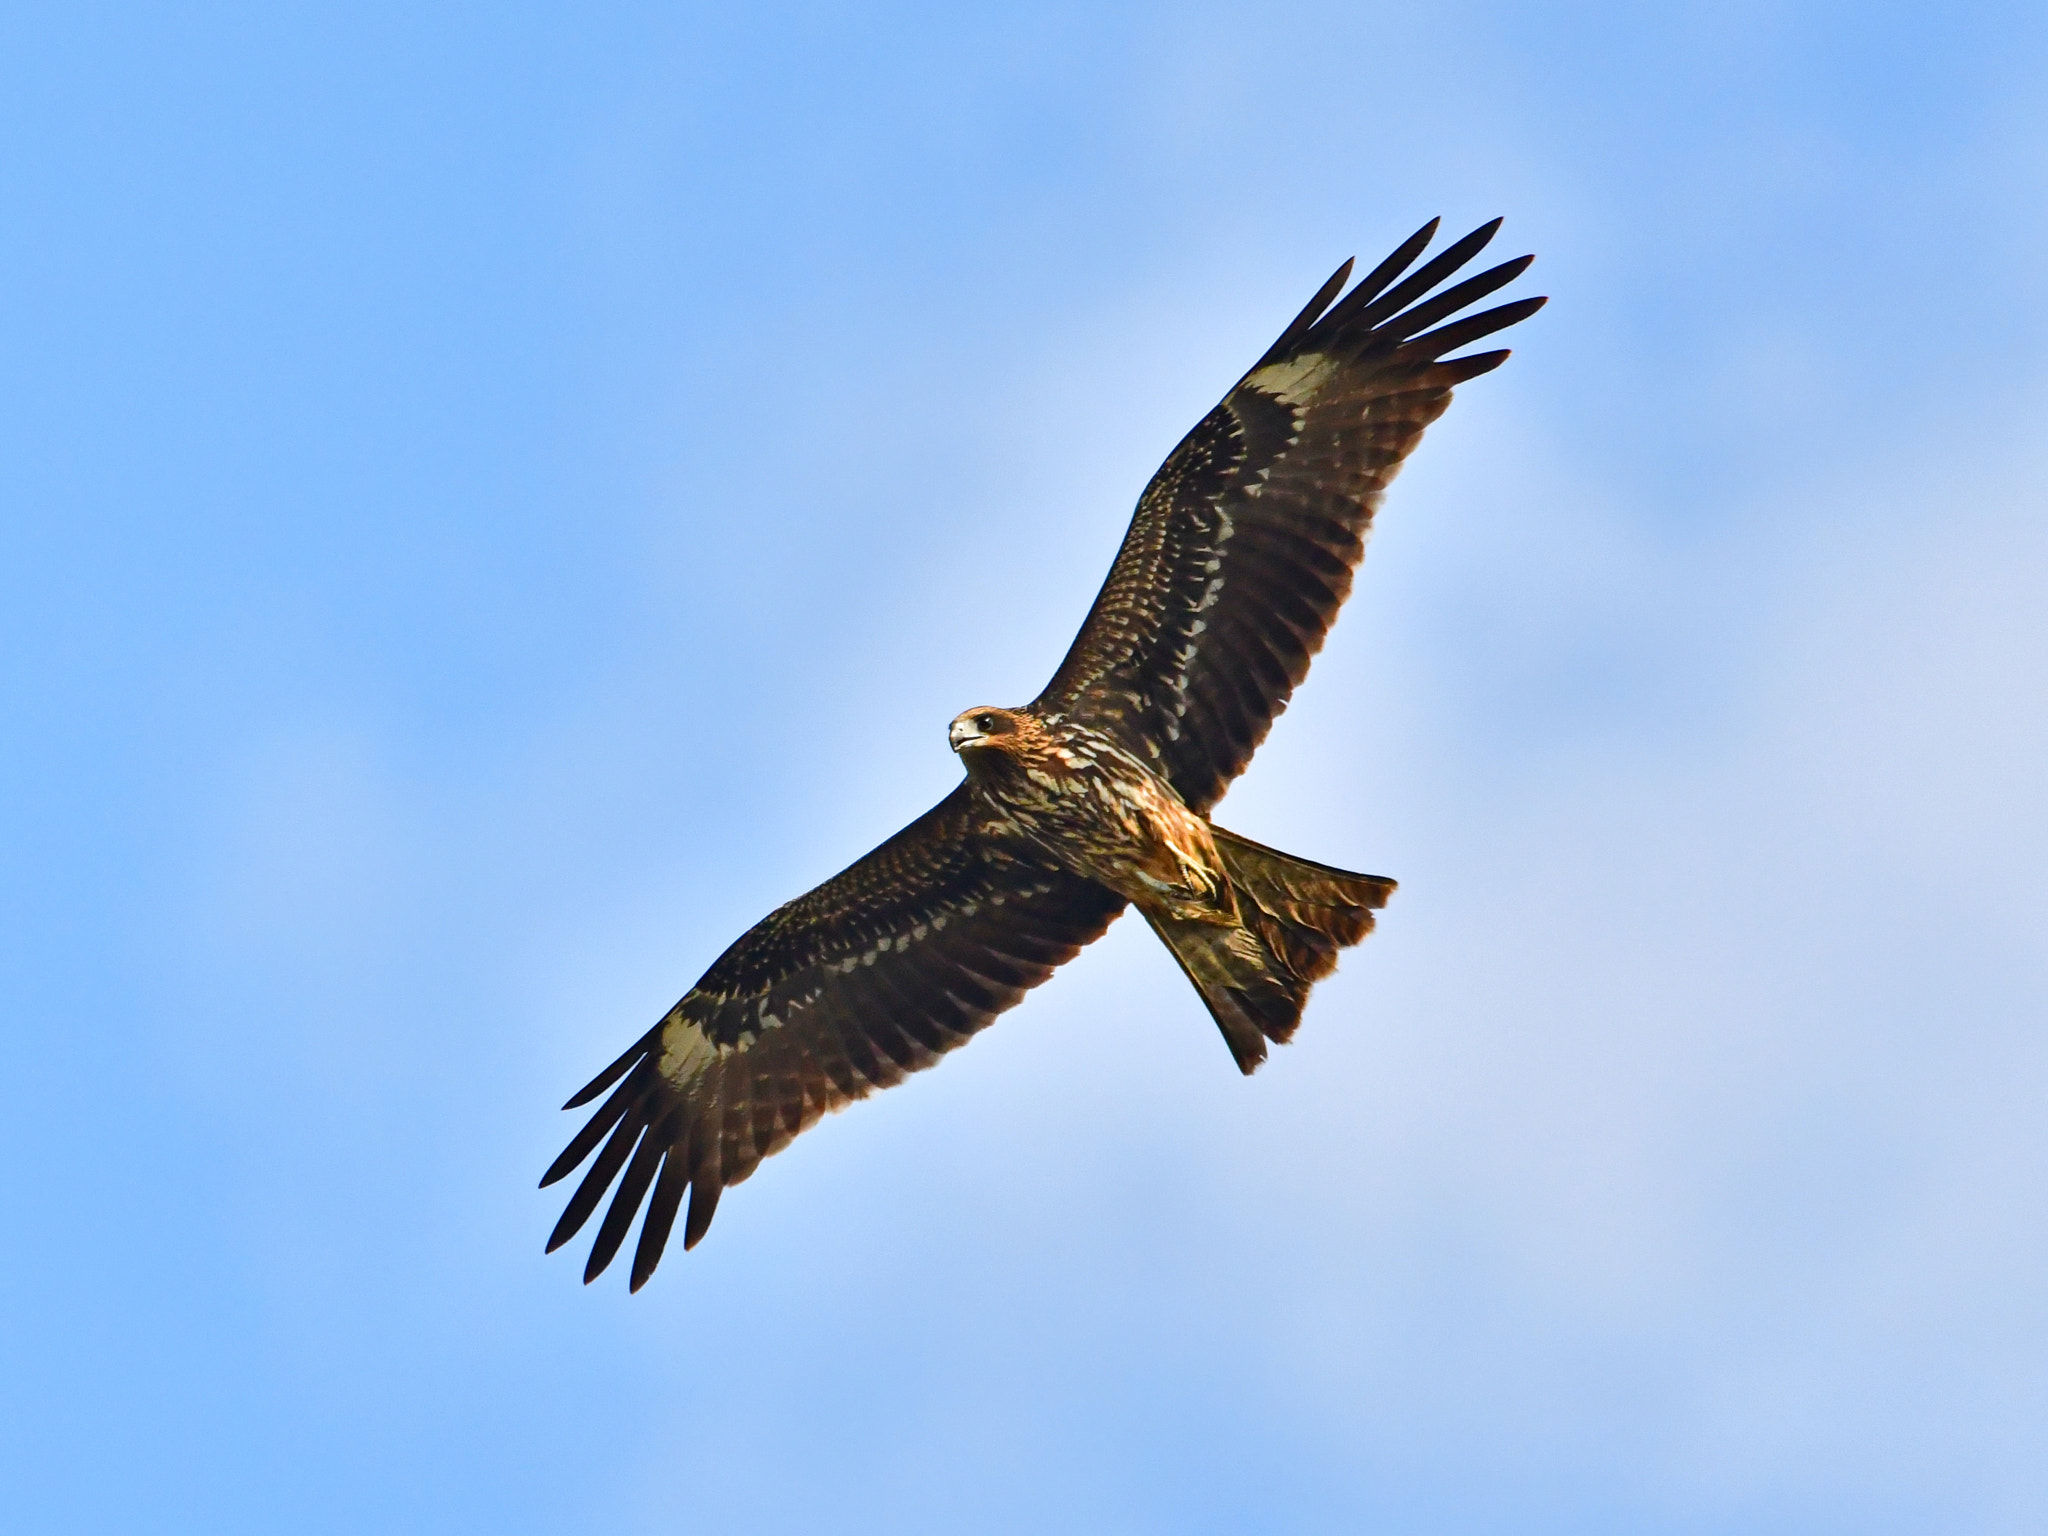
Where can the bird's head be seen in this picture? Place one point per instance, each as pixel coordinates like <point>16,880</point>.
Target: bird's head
<point>988,729</point>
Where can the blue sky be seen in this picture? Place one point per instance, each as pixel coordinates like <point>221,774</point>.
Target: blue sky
<point>501,496</point>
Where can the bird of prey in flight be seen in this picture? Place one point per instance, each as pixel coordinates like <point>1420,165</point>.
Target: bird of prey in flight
<point>1092,797</point>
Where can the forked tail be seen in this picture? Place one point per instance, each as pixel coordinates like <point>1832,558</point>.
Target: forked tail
<point>1296,916</point>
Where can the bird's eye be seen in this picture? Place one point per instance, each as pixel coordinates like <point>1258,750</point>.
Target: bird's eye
<point>984,722</point>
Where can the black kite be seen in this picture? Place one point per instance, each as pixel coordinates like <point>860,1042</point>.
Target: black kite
<point>1092,796</point>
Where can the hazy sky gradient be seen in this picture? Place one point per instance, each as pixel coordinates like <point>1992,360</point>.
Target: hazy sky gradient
<point>502,496</point>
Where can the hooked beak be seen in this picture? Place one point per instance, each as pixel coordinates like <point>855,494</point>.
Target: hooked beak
<point>963,734</point>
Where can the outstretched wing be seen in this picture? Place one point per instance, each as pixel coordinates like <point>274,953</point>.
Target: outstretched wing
<point>1244,544</point>
<point>875,974</point>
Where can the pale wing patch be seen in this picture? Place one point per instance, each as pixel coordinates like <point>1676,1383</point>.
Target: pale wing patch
<point>685,1051</point>
<point>1295,381</point>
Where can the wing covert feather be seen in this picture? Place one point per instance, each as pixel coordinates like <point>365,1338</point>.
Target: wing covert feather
<point>1244,544</point>
<point>873,975</point>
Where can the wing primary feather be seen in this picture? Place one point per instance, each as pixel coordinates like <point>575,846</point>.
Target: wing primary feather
<point>661,1214</point>
<point>1448,337</point>
<point>594,1184</point>
<point>1451,300</point>
<point>616,1070</point>
<point>1301,323</point>
<point>626,1203</point>
<point>1427,276</point>
<point>1459,369</point>
<point>704,1193</point>
<point>707,1169</point>
<point>1370,286</point>
<point>593,1132</point>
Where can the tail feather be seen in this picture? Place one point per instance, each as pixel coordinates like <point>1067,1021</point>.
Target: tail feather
<point>1296,916</point>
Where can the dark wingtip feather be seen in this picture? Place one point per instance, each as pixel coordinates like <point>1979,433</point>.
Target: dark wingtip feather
<point>615,1071</point>
<point>1398,261</point>
<point>1480,238</point>
<point>1459,332</point>
<point>661,1217</point>
<point>1330,289</point>
<point>1374,282</point>
<point>1452,299</point>
<point>1463,368</point>
<point>594,1184</point>
<point>1302,323</point>
<point>626,1204</point>
<point>704,1193</point>
<point>1426,277</point>
<point>594,1131</point>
